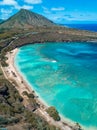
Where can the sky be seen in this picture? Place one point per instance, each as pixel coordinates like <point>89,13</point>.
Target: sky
<point>59,11</point>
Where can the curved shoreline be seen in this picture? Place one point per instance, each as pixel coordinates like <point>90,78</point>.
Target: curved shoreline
<point>25,86</point>
<point>43,103</point>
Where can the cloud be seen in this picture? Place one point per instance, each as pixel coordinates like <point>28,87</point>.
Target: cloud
<point>5,13</point>
<point>65,18</point>
<point>18,7</point>
<point>15,4</point>
<point>33,1</point>
<point>8,2</point>
<point>46,10</point>
<point>11,6</point>
<point>61,17</point>
<point>68,16</point>
<point>58,9</point>
<point>26,7</point>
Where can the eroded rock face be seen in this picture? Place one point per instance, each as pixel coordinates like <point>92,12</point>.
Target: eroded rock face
<point>3,89</point>
<point>2,99</point>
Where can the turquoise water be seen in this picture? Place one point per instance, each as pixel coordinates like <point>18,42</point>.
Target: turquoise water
<point>65,76</point>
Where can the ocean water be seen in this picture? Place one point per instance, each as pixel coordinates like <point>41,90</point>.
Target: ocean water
<point>88,27</point>
<point>64,75</point>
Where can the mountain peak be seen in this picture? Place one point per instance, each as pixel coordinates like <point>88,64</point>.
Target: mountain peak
<point>26,19</point>
<point>23,10</point>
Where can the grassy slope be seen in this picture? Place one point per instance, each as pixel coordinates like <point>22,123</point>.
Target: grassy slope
<point>44,34</point>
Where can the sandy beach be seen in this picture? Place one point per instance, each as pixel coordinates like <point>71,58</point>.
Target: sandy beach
<point>11,73</point>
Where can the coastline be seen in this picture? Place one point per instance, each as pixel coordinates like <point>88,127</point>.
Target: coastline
<point>64,124</point>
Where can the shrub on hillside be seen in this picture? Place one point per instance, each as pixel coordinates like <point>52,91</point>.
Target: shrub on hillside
<point>53,113</point>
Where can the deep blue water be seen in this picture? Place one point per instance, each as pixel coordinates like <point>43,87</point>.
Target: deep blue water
<point>65,76</point>
<point>89,27</point>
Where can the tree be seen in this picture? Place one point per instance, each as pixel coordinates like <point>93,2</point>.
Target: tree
<point>53,113</point>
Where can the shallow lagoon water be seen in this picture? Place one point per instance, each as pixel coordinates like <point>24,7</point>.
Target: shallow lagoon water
<point>65,76</point>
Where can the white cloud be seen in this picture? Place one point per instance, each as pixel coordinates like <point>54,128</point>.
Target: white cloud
<point>18,7</point>
<point>5,13</point>
<point>62,17</point>
<point>12,4</point>
<point>33,1</point>
<point>26,7</point>
<point>15,4</point>
<point>58,9</point>
<point>46,10</point>
<point>8,2</point>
